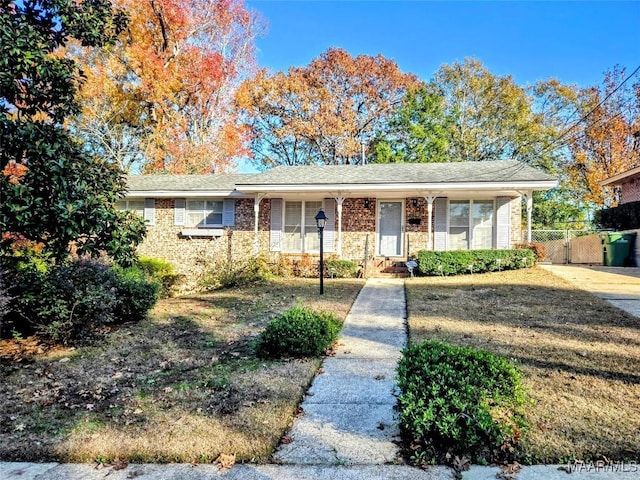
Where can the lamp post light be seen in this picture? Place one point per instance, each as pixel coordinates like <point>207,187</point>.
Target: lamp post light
<point>321,221</point>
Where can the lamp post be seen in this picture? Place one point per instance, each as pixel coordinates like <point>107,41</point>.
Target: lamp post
<point>321,221</point>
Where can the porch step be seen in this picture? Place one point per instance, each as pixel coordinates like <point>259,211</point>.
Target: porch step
<point>382,267</point>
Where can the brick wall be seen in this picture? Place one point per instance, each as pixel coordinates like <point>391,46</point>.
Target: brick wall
<point>630,191</point>
<point>193,256</point>
<point>516,220</point>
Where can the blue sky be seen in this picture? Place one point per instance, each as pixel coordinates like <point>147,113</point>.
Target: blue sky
<point>572,41</point>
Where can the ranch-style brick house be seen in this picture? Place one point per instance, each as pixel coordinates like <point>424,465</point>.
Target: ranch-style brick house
<point>384,211</point>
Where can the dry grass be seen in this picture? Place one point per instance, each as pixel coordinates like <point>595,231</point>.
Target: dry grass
<point>182,386</point>
<point>580,355</point>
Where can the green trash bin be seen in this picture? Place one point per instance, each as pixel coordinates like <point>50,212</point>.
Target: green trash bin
<point>617,249</point>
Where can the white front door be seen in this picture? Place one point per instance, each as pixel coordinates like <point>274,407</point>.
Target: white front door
<point>390,228</point>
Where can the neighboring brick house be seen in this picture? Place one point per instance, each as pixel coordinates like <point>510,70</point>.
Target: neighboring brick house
<point>388,211</point>
<point>629,184</point>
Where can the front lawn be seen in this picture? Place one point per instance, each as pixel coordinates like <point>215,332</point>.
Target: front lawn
<point>181,386</point>
<point>580,356</point>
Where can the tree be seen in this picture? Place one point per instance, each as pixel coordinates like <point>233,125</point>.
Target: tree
<point>604,142</point>
<point>52,192</point>
<point>492,117</point>
<point>322,113</point>
<point>416,132</point>
<point>160,99</point>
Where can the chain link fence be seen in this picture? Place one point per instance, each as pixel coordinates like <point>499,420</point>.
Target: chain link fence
<point>570,246</point>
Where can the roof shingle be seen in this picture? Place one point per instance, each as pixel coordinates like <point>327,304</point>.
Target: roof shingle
<point>372,174</point>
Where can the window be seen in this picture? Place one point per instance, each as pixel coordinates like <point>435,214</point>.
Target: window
<point>470,224</point>
<point>136,206</point>
<point>300,231</point>
<point>204,213</point>
<point>458,225</point>
<point>482,235</point>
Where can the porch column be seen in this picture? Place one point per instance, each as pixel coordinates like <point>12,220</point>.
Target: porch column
<point>339,201</point>
<point>529,198</point>
<point>256,218</point>
<point>429,199</point>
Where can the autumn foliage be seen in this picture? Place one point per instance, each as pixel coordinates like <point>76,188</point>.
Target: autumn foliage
<point>323,112</point>
<point>607,142</point>
<point>160,100</point>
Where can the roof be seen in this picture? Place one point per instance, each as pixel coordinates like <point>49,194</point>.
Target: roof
<point>622,177</point>
<point>502,175</point>
<point>200,183</point>
<point>376,174</point>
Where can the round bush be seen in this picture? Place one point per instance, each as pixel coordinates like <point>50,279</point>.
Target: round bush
<point>299,332</point>
<point>458,401</point>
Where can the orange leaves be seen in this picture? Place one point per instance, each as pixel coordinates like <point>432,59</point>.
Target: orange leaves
<point>163,99</point>
<point>15,171</point>
<point>604,144</point>
<point>20,243</point>
<point>321,113</point>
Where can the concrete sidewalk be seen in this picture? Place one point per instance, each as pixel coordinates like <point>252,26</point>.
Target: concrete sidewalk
<point>54,471</point>
<point>620,286</point>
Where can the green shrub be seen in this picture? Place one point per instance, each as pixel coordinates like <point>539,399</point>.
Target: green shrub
<point>623,217</point>
<point>458,401</point>
<point>66,301</point>
<point>70,300</point>
<point>473,261</point>
<point>342,268</point>
<point>299,332</point>
<point>251,270</point>
<point>136,295</point>
<point>160,271</point>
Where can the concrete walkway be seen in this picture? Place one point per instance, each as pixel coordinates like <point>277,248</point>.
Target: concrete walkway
<point>618,285</point>
<point>348,416</point>
<point>348,429</point>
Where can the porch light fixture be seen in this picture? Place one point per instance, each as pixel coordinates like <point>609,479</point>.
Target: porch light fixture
<point>321,221</point>
<point>367,203</point>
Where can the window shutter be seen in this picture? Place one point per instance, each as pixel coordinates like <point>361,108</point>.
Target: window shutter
<point>150,210</point>
<point>276,225</point>
<point>440,224</point>
<point>329,234</point>
<point>503,225</point>
<point>229,212</point>
<point>179,211</point>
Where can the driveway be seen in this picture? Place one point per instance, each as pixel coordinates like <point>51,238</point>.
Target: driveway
<point>618,285</point>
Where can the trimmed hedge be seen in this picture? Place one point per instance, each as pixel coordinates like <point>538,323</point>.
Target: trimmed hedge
<point>473,261</point>
<point>298,333</point>
<point>342,268</point>
<point>622,217</point>
<point>458,401</point>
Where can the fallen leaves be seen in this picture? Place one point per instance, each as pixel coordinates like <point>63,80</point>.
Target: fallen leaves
<point>225,461</point>
<point>509,471</point>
